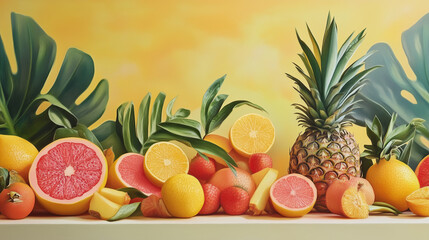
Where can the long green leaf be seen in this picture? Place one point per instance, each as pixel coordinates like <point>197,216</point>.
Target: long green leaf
<point>214,108</point>
<point>181,129</point>
<point>208,97</point>
<point>199,145</point>
<point>108,136</point>
<point>329,56</point>
<point>143,119</point>
<point>225,111</point>
<point>156,115</point>
<point>129,135</point>
<point>79,131</point>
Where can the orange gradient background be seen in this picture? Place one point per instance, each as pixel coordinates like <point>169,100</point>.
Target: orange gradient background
<point>181,47</point>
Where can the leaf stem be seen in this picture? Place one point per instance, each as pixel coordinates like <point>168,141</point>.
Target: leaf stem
<point>7,119</point>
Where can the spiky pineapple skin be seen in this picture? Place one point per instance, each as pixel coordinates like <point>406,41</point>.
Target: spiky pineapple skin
<point>324,157</point>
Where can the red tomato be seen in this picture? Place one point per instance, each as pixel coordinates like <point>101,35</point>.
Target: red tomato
<point>17,201</point>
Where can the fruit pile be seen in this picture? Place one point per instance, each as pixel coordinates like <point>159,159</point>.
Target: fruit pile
<point>133,166</point>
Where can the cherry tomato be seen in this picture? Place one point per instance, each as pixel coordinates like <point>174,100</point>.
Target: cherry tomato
<point>17,201</point>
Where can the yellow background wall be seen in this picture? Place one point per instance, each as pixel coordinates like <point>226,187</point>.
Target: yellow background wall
<point>181,47</point>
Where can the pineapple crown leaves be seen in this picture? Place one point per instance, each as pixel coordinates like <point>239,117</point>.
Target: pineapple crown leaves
<point>212,113</point>
<point>393,141</point>
<point>329,95</point>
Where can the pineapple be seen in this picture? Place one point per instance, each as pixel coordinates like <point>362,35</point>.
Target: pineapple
<point>326,150</point>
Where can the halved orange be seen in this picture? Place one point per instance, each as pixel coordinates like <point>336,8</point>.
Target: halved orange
<point>418,202</point>
<point>252,133</point>
<point>164,160</point>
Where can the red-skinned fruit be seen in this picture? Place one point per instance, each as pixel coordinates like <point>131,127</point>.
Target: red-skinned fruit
<point>17,201</point>
<point>211,199</point>
<point>234,200</point>
<point>202,169</point>
<point>259,161</point>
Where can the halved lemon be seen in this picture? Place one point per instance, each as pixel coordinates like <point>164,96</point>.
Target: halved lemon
<point>252,133</point>
<point>164,160</point>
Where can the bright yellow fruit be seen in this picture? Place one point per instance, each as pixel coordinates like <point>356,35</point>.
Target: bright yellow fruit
<point>252,133</point>
<point>418,202</point>
<point>262,193</point>
<point>17,154</point>
<point>183,195</point>
<point>392,182</point>
<point>258,176</point>
<point>102,208</point>
<point>119,197</point>
<point>164,160</point>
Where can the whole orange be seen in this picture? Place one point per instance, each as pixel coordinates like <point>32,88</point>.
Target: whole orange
<point>392,182</point>
<point>17,154</point>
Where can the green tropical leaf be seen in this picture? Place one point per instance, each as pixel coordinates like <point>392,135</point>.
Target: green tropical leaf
<point>382,94</point>
<point>143,119</point>
<point>20,95</point>
<point>126,211</point>
<point>156,115</point>
<point>107,134</point>
<point>200,145</point>
<point>79,131</point>
<point>208,98</point>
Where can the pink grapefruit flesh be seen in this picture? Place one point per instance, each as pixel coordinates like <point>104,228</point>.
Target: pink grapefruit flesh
<point>293,195</point>
<point>66,173</point>
<point>130,172</point>
<point>422,172</point>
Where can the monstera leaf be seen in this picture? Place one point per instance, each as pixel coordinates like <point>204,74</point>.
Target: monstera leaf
<point>382,96</point>
<point>20,92</point>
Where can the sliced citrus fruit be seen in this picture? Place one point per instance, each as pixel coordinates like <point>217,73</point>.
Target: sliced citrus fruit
<point>252,133</point>
<point>164,160</point>
<point>353,203</point>
<point>127,171</point>
<point>418,202</point>
<point>66,173</point>
<point>293,195</point>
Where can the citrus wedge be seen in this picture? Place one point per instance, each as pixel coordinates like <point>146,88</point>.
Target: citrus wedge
<point>127,171</point>
<point>164,160</point>
<point>418,202</point>
<point>252,133</point>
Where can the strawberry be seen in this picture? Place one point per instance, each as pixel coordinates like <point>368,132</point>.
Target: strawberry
<point>211,199</point>
<point>234,200</point>
<point>202,169</point>
<point>259,161</point>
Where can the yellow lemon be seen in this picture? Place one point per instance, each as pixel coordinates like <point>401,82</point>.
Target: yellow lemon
<point>252,133</point>
<point>164,160</point>
<point>17,154</point>
<point>183,195</point>
<point>392,182</point>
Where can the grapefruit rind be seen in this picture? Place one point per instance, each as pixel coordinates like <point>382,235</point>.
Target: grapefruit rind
<point>293,212</point>
<point>75,206</point>
<point>115,179</point>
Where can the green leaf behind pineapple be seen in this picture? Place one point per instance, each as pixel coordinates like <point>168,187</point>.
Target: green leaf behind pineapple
<point>381,95</point>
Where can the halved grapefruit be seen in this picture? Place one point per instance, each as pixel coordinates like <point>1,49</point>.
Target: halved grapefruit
<point>127,171</point>
<point>65,175</point>
<point>293,195</point>
<point>422,172</point>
